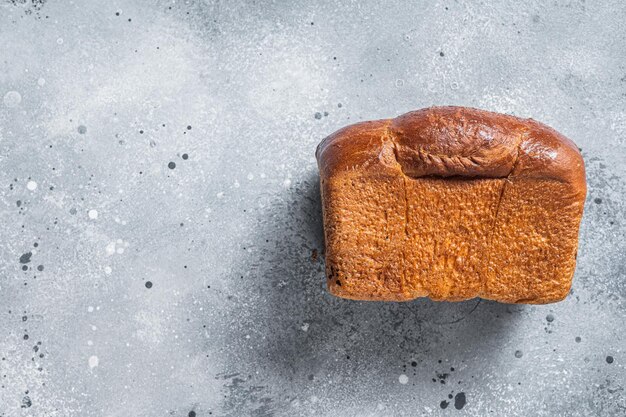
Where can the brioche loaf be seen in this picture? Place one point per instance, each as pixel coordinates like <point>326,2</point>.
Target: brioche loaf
<point>451,203</point>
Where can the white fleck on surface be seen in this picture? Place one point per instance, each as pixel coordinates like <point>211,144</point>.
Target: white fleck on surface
<point>93,214</point>
<point>110,248</point>
<point>93,361</point>
<point>12,99</point>
<point>403,379</point>
<point>31,185</point>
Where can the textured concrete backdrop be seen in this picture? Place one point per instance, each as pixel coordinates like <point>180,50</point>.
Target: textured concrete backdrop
<point>161,242</point>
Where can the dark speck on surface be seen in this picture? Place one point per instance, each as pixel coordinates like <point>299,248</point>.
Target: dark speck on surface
<point>82,129</point>
<point>444,404</point>
<point>414,364</point>
<point>192,414</point>
<point>550,318</point>
<point>443,377</point>
<point>40,268</point>
<point>26,402</point>
<point>441,53</point>
<point>597,200</point>
<point>318,115</point>
<point>189,128</point>
<point>459,400</point>
<point>609,359</point>
<point>148,284</point>
<point>185,156</point>
<point>577,339</point>
<point>25,258</point>
<point>171,165</point>
<point>519,354</point>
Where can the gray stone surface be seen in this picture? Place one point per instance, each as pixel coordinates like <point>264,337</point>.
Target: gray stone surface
<point>96,105</point>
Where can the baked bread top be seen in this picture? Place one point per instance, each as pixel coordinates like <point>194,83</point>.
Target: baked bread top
<point>454,141</point>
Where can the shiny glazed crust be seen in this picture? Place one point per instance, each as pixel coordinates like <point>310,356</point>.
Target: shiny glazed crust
<point>451,203</point>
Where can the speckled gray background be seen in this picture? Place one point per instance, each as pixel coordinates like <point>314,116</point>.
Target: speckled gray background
<point>160,217</point>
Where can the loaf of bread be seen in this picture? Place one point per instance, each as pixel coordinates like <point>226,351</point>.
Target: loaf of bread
<point>451,203</point>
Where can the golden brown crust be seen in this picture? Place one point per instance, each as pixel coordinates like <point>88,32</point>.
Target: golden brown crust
<point>455,141</point>
<point>401,221</point>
